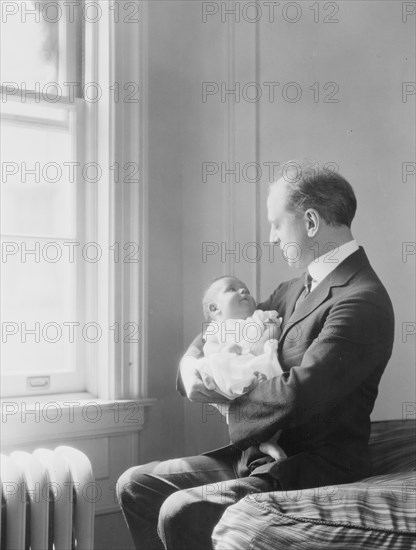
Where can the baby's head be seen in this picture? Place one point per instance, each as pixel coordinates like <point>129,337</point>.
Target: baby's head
<point>227,298</point>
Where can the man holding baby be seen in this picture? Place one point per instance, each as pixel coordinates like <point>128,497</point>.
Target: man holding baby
<point>335,341</point>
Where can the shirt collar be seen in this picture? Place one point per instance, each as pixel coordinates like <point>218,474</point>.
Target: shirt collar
<point>322,266</point>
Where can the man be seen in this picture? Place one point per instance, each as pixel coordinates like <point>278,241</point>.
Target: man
<point>337,338</point>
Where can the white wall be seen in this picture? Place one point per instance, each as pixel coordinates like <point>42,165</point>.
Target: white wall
<point>369,133</point>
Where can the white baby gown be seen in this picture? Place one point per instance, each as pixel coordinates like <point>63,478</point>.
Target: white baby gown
<point>233,373</point>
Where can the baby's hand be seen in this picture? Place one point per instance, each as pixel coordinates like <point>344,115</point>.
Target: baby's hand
<point>232,348</point>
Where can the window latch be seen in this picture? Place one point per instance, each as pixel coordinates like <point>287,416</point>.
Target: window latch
<point>38,382</point>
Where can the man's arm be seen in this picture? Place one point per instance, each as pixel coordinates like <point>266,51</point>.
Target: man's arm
<point>195,348</point>
<point>276,297</point>
<point>189,382</point>
<point>355,339</point>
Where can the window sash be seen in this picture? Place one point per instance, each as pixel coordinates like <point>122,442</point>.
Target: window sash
<point>40,379</point>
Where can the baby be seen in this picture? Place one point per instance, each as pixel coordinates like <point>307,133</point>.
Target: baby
<point>240,341</point>
<point>240,344</point>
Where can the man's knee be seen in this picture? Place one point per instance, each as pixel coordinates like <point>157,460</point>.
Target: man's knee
<point>176,515</point>
<point>131,483</point>
<point>123,486</point>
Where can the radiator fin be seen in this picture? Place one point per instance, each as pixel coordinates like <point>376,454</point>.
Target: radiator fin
<point>48,500</point>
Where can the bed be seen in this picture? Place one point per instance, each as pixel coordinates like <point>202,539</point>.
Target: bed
<point>375,513</point>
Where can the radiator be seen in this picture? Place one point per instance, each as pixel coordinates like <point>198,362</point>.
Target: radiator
<point>47,500</point>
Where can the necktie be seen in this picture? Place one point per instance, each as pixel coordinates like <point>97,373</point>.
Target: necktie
<point>306,290</point>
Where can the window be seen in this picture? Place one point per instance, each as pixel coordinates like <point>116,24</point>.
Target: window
<point>41,199</point>
<point>72,271</point>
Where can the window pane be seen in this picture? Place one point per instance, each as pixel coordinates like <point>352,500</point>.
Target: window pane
<point>35,39</point>
<point>37,303</point>
<point>38,190</point>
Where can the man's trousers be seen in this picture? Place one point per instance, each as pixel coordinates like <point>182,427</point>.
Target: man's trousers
<point>177,503</point>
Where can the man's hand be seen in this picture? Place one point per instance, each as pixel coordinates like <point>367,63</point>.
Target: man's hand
<point>195,388</point>
<point>260,377</point>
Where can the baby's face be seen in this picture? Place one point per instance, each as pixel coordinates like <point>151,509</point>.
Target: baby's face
<point>232,299</point>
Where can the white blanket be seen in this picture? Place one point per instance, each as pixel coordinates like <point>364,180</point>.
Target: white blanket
<point>234,374</point>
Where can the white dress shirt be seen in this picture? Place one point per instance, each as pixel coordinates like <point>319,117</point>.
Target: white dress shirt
<point>322,266</point>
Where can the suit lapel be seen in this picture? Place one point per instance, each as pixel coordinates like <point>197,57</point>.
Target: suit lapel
<point>339,277</point>
<point>293,294</point>
<point>307,306</point>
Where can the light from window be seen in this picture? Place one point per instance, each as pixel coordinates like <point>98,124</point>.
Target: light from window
<point>41,282</point>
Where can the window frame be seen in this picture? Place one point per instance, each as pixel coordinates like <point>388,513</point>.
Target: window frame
<point>117,213</point>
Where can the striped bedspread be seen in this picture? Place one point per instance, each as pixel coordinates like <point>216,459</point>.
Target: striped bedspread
<point>375,513</point>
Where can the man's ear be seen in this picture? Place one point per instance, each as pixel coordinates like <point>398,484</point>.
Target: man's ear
<point>312,221</point>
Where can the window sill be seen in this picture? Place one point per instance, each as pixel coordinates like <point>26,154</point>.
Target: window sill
<point>43,418</point>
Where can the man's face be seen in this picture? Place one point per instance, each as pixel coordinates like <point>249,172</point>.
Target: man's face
<point>287,229</point>
<point>232,299</point>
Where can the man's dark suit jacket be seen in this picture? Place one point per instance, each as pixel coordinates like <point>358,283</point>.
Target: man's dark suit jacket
<point>333,351</point>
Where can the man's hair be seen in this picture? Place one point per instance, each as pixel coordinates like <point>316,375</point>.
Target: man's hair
<point>206,298</point>
<point>312,186</point>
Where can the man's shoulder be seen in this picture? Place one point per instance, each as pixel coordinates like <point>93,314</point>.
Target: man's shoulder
<point>365,280</point>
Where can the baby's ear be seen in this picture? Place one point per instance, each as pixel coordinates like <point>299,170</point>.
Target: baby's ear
<point>214,310</point>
